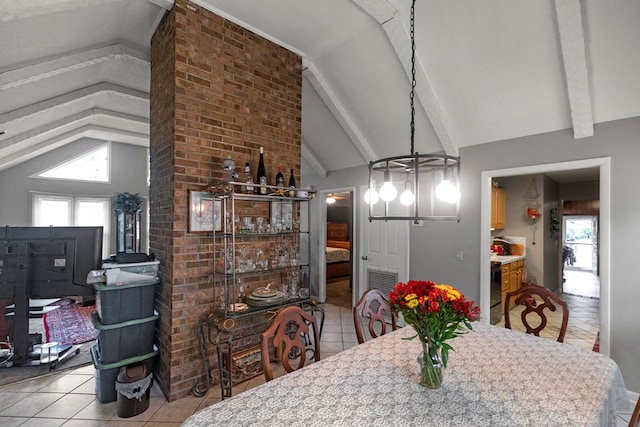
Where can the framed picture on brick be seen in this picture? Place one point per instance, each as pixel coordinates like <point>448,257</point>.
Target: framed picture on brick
<point>205,214</point>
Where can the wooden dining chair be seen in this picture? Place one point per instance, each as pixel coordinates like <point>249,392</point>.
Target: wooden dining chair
<point>293,334</point>
<point>373,305</point>
<point>635,418</point>
<point>536,299</point>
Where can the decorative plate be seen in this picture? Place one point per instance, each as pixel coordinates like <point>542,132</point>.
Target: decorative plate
<point>263,292</point>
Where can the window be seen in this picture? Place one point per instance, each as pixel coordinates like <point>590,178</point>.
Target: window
<point>91,166</point>
<point>62,210</point>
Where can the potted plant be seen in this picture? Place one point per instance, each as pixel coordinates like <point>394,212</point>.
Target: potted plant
<point>127,202</point>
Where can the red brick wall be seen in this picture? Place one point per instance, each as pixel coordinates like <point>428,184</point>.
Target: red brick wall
<point>216,89</point>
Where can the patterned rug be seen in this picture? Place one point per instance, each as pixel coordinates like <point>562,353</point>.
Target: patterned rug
<point>70,324</point>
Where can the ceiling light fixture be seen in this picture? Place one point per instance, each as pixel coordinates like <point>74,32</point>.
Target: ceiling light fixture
<point>420,169</point>
<point>330,199</point>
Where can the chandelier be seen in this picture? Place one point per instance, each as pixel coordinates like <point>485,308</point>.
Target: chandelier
<point>437,174</point>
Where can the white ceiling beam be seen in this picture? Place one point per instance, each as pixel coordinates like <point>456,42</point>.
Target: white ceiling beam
<point>383,12</point>
<point>62,101</point>
<point>313,75</point>
<point>70,61</point>
<point>96,116</point>
<point>571,27</point>
<point>310,157</point>
<point>88,131</point>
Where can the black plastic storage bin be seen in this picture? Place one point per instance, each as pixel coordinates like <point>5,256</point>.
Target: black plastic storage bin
<point>106,374</point>
<point>133,386</point>
<point>126,339</point>
<point>120,303</point>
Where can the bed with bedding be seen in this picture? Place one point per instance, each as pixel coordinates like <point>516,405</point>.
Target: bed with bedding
<point>338,251</point>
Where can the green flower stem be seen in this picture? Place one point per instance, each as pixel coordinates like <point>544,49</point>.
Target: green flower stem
<point>431,369</point>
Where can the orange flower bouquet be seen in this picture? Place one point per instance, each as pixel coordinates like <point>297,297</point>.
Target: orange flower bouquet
<point>437,313</point>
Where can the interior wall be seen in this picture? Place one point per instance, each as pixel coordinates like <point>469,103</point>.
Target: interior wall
<point>616,140</point>
<point>339,212</point>
<point>128,174</point>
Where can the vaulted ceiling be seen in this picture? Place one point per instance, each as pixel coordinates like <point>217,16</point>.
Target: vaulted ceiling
<point>487,70</point>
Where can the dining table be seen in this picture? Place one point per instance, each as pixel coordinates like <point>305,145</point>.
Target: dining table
<point>494,377</point>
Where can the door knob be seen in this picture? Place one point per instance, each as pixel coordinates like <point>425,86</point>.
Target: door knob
<point>364,257</point>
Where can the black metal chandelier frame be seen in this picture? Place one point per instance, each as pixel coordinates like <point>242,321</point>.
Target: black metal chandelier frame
<point>414,165</point>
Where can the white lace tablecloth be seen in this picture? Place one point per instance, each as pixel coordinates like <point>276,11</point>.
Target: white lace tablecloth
<point>495,377</point>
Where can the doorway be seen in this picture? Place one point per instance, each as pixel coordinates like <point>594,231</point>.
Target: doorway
<point>339,256</point>
<point>580,256</point>
<point>336,229</point>
<point>604,172</point>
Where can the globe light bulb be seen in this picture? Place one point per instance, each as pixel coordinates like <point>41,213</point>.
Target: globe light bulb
<point>407,197</point>
<point>371,196</point>
<point>388,192</point>
<point>447,192</point>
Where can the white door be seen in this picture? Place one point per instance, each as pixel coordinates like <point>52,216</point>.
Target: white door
<point>385,249</point>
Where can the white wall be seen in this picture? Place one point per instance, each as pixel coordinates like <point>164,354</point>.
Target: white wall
<point>434,246</point>
<point>128,174</point>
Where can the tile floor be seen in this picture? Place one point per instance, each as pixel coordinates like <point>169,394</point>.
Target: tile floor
<point>67,398</point>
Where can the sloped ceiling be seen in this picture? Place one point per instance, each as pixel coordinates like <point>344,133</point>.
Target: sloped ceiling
<point>486,71</point>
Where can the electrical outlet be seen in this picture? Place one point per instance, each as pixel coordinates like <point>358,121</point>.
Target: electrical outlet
<point>460,255</point>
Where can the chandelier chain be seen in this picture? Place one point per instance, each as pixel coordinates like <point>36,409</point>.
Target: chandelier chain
<point>413,75</point>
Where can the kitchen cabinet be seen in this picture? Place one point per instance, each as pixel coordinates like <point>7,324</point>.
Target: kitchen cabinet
<point>581,207</point>
<point>498,208</point>
<point>512,275</point>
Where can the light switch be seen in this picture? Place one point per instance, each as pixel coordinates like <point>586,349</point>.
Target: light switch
<point>460,255</point>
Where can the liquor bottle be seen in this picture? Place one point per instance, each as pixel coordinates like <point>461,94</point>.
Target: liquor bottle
<point>279,177</point>
<point>248,179</point>
<point>292,185</point>
<point>262,173</point>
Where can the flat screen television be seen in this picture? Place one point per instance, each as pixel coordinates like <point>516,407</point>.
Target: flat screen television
<point>48,262</point>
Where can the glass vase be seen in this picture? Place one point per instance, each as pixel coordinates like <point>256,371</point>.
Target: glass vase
<point>431,368</point>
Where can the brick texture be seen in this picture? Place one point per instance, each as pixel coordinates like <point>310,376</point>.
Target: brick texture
<point>217,89</point>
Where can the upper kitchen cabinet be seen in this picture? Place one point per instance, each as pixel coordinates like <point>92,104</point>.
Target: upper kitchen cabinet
<point>498,210</point>
<point>581,207</point>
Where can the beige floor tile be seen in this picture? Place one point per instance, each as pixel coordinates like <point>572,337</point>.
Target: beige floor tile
<point>31,405</point>
<point>44,422</point>
<point>88,387</point>
<point>13,421</point>
<point>97,411</point>
<point>66,383</point>
<point>331,337</point>
<point>331,347</point>
<point>94,423</point>
<point>66,407</point>
<point>7,399</point>
<point>177,411</point>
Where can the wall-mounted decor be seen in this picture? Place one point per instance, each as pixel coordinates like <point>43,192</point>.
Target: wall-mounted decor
<point>205,214</point>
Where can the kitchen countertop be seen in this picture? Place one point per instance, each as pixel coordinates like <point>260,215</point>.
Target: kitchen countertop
<point>505,259</point>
